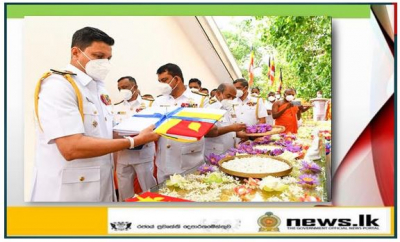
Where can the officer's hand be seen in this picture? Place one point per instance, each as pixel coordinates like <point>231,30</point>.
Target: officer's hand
<point>238,127</point>
<point>148,135</point>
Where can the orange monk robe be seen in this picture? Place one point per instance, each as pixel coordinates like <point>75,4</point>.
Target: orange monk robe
<point>288,118</point>
<point>329,111</point>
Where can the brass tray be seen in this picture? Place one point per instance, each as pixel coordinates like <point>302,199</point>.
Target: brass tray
<point>276,129</point>
<point>255,175</point>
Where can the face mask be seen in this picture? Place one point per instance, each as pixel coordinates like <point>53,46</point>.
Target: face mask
<point>319,95</point>
<point>165,88</point>
<point>271,98</point>
<point>226,104</point>
<point>194,89</point>
<point>289,98</point>
<point>239,93</point>
<point>97,69</point>
<point>126,94</point>
<point>277,96</point>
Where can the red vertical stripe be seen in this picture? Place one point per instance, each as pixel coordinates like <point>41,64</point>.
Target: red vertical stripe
<point>395,18</point>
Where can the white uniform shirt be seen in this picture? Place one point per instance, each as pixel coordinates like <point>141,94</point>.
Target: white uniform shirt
<point>125,110</point>
<point>177,157</point>
<point>246,110</point>
<point>80,180</point>
<point>222,143</point>
<point>269,119</point>
<point>319,110</point>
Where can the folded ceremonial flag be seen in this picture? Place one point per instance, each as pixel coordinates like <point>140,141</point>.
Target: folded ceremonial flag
<point>180,124</point>
<point>154,197</point>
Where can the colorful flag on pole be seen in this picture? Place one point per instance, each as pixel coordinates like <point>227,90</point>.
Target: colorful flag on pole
<point>251,68</point>
<point>269,66</point>
<point>280,80</point>
<point>272,72</point>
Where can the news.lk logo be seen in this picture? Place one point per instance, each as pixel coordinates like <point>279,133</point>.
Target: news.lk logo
<point>365,221</point>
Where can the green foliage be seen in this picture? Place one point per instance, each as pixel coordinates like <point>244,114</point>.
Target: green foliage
<point>301,47</point>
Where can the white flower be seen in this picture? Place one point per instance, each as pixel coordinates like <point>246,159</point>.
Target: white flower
<point>274,199</point>
<point>255,165</point>
<point>234,198</point>
<point>271,183</point>
<point>296,191</point>
<point>289,180</point>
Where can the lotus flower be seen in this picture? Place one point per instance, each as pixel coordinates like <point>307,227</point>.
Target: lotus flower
<point>206,168</point>
<point>293,148</point>
<point>310,167</point>
<point>308,180</point>
<point>258,128</point>
<point>213,158</point>
<point>276,152</point>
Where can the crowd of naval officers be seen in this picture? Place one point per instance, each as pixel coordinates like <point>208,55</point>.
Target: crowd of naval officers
<point>78,156</point>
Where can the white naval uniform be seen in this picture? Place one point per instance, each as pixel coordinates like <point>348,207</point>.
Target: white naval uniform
<point>222,143</point>
<point>269,119</point>
<point>174,157</point>
<point>247,111</point>
<point>133,162</point>
<point>79,180</point>
<point>319,109</point>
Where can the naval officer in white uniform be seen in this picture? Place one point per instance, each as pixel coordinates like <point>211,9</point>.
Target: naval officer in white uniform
<point>227,129</point>
<point>139,161</point>
<point>172,156</point>
<point>249,110</point>
<point>73,161</point>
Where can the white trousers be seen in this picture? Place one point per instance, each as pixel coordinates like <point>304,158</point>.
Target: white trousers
<point>126,174</point>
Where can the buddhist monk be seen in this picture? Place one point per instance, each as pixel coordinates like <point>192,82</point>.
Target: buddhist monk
<point>285,113</point>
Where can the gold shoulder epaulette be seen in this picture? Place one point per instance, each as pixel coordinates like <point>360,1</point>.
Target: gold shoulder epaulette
<point>212,101</point>
<point>199,93</point>
<point>54,71</point>
<point>148,99</point>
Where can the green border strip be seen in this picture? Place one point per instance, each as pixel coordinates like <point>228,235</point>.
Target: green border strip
<point>85,9</point>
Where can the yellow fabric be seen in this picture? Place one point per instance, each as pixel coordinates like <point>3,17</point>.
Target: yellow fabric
<point>178,138</point>
<point>163,128</point>
<point>195,126</point>
<point>202,101</point>
<point>74,86</point>
<point>199,115</point>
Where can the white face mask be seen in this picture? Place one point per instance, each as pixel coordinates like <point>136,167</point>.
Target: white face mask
<point>271,98</point>
<point>277,96</point>
<point>227,104</point>
<point>126,94</point>
<point>289,98</point>
<point>165,88</point>
<point>319,95</point>
<point>239,93</point>
<point>193,89</point>
<point>97,69</point>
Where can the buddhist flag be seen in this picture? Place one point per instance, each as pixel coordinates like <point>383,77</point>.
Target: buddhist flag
<point>271,73</point>
<point>280,80</point>
<point>251,68</point>
<point>189,124</point>
<point>154,197</point>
